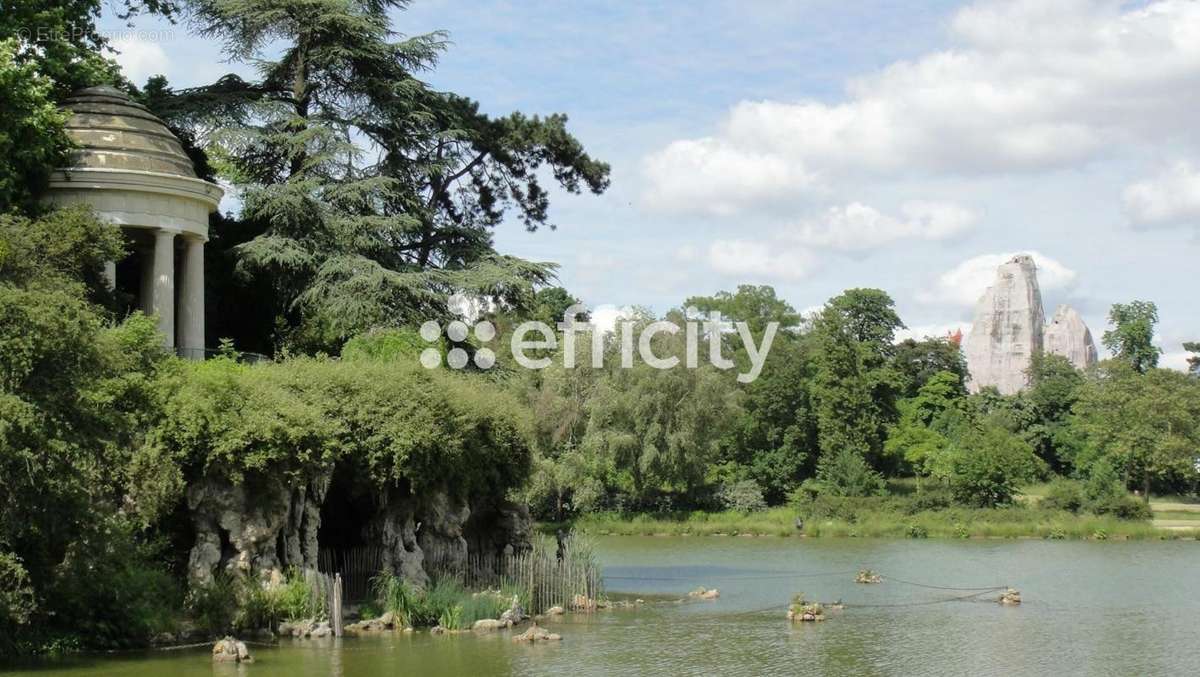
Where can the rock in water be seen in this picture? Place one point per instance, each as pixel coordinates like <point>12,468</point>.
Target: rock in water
<point>1008,328</point>
<point>535,633</point>
<point>230,650</point>
<point>1067,335</point>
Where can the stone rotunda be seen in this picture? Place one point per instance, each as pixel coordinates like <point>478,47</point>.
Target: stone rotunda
<point>133,172</point>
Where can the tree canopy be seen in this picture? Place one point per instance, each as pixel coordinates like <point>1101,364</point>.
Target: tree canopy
<point>374,196</point>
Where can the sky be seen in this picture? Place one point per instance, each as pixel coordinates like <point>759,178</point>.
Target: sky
<point>819,145</point>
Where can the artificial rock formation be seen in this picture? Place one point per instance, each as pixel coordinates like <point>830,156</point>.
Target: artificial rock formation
<point>1067,335</point>
<point>264,527</point>
<point>1010,328</point>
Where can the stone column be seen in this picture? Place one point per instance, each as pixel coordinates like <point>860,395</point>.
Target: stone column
<point>163,294</point>
<point>146,284</point>
<point>110,274</point>
<point>191,299</point>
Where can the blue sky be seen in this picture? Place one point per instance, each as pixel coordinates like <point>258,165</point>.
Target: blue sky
<point>819,145</point>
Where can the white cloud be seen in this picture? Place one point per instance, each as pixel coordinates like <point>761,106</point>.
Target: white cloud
<point>1028,86</point>
<point>709,176</point>
<point>859,227</point>
<point>1172,197</point>
<point>758,260</point>
<point>963,284</point>
<point>140,59</point>
<point>1177,359</point>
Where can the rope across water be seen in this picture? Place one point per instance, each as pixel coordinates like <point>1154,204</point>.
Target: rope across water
<point>972,592</point>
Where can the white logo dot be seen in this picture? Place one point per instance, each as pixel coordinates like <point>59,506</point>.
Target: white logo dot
<point>485,331</point>
<point>457,331</point>
<point>431,359</point>
<point>456,358</point>
<point>430,331</point>
<point>485,359</point>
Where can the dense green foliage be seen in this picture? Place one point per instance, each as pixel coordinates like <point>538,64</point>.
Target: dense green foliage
<point>840,407</point>
<point>31,130</point>
<point>76,392</point>
<point>394,422</point>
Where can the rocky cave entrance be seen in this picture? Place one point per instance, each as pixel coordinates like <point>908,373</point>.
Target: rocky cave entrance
<point>346,513</point>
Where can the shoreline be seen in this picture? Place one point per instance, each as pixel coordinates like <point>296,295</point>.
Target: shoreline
<point>957,524</point>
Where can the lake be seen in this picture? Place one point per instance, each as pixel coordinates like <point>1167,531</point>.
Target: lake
<point>1090,608</point>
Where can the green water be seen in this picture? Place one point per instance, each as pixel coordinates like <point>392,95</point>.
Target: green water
<point>1090,609</point>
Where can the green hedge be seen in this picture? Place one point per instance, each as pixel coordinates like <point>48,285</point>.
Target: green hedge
<point>295,419</point>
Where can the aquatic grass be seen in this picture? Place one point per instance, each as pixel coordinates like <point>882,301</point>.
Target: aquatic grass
<point>398,596</point>
<point>300,595</point>
<point>481,605</point>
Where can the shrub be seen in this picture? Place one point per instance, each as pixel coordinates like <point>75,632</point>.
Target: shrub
<point>110,590</point>
<point>744,496</point>
<point>1123,506</point>
<point>17,602</point>
<point>991,465</point>
<point>1105,494</point>
<point>846,473</point>
<point>930,499</point>
<point>213,605</point>
<point>393,422</point>
<point>1063,494</point>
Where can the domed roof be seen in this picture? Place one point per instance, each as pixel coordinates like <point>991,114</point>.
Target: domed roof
<point>114,132</point>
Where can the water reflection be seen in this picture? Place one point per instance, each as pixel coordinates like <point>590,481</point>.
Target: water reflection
<point>1090,608</point>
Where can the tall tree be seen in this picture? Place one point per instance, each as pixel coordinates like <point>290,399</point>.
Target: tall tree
<point>32,140</point>
<point>854,388</point>
<point>928,423</point>
<point>47,50</point>
<point>1131,337</point>
<point>756,305</point>
<point>918,361</point>
<point>1147,425</point>
<point>62,39</point>
<point>660,429</point>
<point>775,439</point>
<point>1055,385</point>
<point>375,196</point>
